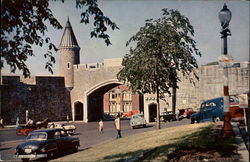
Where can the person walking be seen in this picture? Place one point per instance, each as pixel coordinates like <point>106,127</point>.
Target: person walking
<point>118,127</point>
<point>100,126</point>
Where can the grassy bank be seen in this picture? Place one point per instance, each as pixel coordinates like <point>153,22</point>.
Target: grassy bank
<point>161,143</point>
<point>203,145</point>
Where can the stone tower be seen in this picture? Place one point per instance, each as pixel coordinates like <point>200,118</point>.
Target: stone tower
<point>69,55</point>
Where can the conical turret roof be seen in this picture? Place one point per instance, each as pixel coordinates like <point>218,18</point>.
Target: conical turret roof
<point>68,39</point>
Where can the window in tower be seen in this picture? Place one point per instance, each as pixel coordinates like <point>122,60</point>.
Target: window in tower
<point>68,65</point>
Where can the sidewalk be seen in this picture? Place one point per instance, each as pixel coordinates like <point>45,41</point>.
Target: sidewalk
<point>242,149</point>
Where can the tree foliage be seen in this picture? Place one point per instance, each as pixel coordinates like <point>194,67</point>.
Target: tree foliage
<point>23,25</point>
<point>162,48</point>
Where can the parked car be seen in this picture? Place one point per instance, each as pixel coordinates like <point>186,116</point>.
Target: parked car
<point>46,143</point>
<point>137,120</point>
<point>168,116</point>
<point>185,113</point>
<point>212,110</point>
<point>130,113</point>
<point>67,127</point>
<point>23,129</point>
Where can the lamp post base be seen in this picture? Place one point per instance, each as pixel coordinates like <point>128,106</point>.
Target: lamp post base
<point>227,130</point>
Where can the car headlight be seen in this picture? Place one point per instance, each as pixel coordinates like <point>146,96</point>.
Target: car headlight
<point>43,149</point>
<point>33,147</point>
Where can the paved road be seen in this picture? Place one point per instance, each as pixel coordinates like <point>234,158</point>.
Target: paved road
<point>87,133</point>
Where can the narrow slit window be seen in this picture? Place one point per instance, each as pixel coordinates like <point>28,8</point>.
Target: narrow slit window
<point>68,65</point>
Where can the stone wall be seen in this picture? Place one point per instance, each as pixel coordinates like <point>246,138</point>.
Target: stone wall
<point>209,85</point>
<point>47,97</point>
<point>43,97</point>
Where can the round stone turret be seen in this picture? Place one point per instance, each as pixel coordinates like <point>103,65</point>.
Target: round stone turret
<point>69,55</point>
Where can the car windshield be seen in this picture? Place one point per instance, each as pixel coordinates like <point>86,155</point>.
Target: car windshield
<point>37,136</point>
<point>138,116</point>
<point>65,124</point>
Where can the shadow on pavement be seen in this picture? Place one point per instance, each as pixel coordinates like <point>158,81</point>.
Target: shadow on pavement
<point>148,126</point>
<point>6,148</point>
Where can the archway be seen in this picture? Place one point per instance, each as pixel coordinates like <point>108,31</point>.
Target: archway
<point>78,111</point>
<point>95,100</point>
<point>152,112</point>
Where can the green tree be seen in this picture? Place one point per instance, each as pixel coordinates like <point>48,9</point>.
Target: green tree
<point>162,48</point>
<point>23,25</point>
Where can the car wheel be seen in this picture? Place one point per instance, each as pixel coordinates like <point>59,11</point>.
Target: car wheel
<point>25,159</point>
<point>75,148</point>
<point>192,121</point>
<point>50,154</point>
<point>132,127</point>
<point>144,125</point>
<point>26,132</point>
<point>216,119</point>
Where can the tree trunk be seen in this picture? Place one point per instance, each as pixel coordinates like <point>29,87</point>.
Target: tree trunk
<point>173,99</point>
<point>158,109</point>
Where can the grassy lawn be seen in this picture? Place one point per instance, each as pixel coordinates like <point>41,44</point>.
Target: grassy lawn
<point>161,142</point>
<point>203,145</point>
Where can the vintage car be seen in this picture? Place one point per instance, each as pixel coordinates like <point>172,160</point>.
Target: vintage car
<point>185,113</point>
<point>137,120</point>
<point>168,116</point>
<point>67,127</point>
<point>23,129</point>
<point>212,110</point>
<point>130,113</point>
<point>46,143</point>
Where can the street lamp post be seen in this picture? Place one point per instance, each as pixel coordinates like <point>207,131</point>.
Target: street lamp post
<point>226,61</point>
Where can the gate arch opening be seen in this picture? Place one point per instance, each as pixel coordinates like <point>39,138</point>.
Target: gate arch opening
<point>95,100</point>
<point>152,112</point>
<point>78,111</point>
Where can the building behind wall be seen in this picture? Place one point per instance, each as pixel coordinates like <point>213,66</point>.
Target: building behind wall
<point>129,101</point>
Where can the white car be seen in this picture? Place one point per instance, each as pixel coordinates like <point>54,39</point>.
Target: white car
<point>137,120</point>
<point>67,127</point>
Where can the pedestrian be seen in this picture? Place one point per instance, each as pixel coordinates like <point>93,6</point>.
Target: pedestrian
<point>118,127</point>
<point>100,126</point>
<point>17,121</point>
<point>1,122</point>
<point>30,122</point>
<point>67,118</point>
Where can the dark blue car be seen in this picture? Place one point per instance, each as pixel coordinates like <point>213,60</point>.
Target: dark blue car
<point>45,144</point>
<point>211,110</point>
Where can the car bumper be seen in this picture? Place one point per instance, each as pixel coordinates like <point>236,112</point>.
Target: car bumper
<point>137,124</point>
<point>31,156</point>
<point>70,130</point>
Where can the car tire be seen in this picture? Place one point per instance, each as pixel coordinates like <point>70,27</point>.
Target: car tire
<point>192,120</point>
<point>17,132</point>
<point>50,154</point>
<point>75,148</point>
<point>26,132</point>
<point>216,119</point>
<point>25,159</point>
<point>144,125</point>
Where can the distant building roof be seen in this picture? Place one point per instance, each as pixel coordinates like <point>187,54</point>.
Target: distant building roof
<point>68,38</point>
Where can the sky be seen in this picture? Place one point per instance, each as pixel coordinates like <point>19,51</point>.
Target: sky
<point>130,15</point>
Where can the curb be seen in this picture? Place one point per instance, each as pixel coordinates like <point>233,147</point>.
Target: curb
<point>242,147</point>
